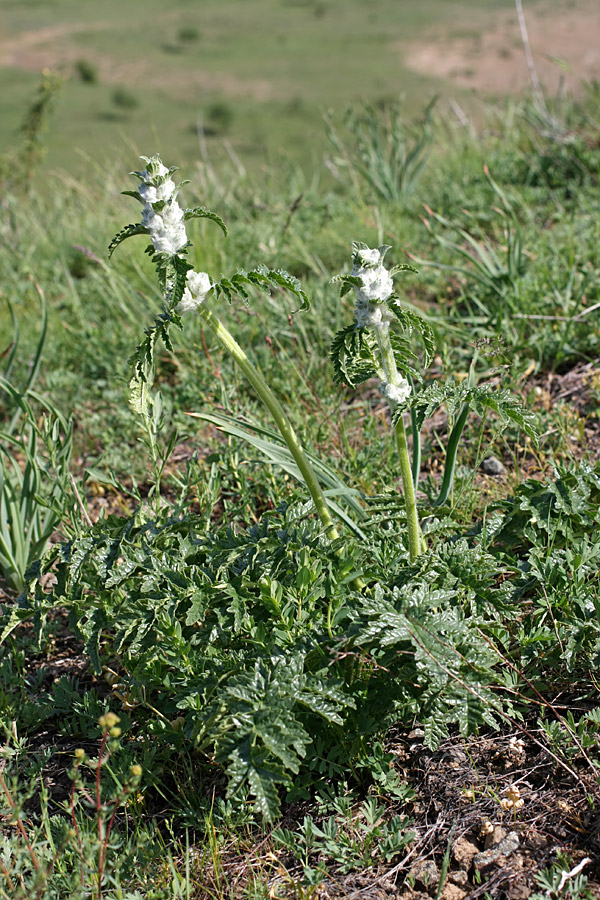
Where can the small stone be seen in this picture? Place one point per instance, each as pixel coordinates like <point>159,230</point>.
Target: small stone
<point>425,873</point>
<point>505,847</point>
<point>463,852</point>
<point>452,892</point>
<point>492,466</point>
<point>460,878</point>
<point>494,837</point>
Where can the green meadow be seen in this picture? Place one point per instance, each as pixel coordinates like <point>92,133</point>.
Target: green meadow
<point>256,74</point>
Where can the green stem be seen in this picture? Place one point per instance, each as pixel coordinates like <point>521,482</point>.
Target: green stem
<point>279,416</point>
<point>415,541</point>
<point>416,439</point>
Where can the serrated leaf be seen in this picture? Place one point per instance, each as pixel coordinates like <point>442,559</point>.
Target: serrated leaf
<point>412,321</point>
<point>127,232</point>
<point>248,768</point>
<point>264,279</point>
<point>201,212</point>
<point>353,356</point>
<point>402,267</point>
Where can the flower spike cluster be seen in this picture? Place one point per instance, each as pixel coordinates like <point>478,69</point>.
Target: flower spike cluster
<point>162,215</point>
<point>164,222</point>
<point>374,288</point>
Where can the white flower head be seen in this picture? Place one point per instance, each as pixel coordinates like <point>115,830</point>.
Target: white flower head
<point>152,194</point>
<point>155,169</point>
<point>369,257</point>
<point>371,315</point>
<point>198,285</point>
<point>165,225</point>
<point>166,229</point>
<point>375,289</point>
<point>377,284</point>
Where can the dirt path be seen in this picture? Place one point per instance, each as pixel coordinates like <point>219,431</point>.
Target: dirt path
<point>50,47</point>
<point>564,38</point>
<point>41,47</point>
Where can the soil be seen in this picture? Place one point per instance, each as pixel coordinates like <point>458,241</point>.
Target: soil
<point>491,852</point>
<point>564,39</point>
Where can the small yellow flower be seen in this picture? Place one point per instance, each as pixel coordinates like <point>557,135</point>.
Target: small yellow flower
<point>116,732</point>
<point>79,753</point>
<point>136,770</point>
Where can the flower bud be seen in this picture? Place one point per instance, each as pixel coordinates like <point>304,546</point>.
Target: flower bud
<point>198,285</point>
<point>396,393</point>
<point>109,720</point>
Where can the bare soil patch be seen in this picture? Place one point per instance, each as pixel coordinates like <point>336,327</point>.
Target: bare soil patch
<point>53,47</point>
<point>564,38</point>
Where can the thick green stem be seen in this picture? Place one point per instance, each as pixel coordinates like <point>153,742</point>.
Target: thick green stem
<point>279,416</point>
<point>416,439</point>
<point>415,541</point>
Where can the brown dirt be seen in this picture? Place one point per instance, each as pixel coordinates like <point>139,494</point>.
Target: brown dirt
<point>564,36</point>
<point>493,853</point>
<point>41,47</point>
<point>564,39</point>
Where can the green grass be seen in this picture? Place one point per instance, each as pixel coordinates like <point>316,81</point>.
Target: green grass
<point>275,80</point>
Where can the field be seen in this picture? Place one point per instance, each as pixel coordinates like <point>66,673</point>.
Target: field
<point>296,603</point>
<point>183,77</point>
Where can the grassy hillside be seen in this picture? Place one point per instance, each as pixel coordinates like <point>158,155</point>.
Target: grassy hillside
<point>258,74</point>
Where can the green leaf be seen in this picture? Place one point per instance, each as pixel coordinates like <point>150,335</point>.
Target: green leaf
<point>412,321</point>
<point>264,279</point>
<point>201,212</point>
<point>247,767</point>
<point>127,232</point>
<point>353,356</point>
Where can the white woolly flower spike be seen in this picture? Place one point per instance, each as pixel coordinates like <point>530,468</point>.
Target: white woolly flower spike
<point>375,289</point>
<point>198,285</point>
<point>165,225</point>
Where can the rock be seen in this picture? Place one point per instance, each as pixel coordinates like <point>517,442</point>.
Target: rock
<point>494,837</point>
<point>492,466</point>
<point>503,848</point>
<point>452,892</point>
<point>425,873</point>
<point>464,852</point>
<point>459,878</point>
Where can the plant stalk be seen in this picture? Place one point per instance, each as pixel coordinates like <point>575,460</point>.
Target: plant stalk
<point>415,540</point>
<point>281,420</point>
